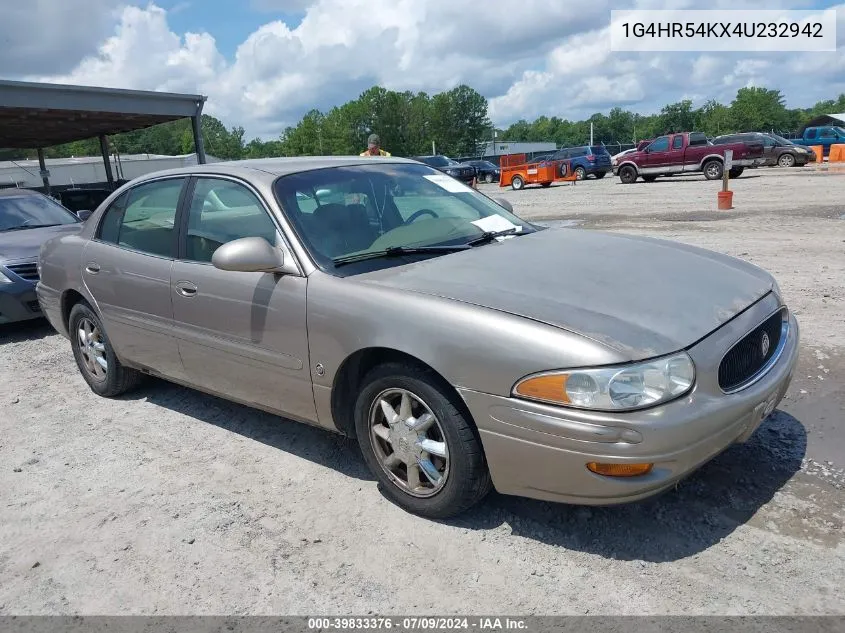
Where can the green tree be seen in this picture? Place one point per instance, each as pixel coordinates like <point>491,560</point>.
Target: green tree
<point>758,109</point>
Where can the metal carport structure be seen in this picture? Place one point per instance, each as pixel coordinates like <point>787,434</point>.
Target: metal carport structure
<point>39,115</point>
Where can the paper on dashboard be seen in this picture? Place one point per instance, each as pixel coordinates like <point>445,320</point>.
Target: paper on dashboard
<point>495,223</point>
<point>448,183</point>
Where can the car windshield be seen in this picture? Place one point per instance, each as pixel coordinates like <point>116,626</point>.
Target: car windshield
<point>365,210</point>
<point>781,140</point>
<point>27,211</point>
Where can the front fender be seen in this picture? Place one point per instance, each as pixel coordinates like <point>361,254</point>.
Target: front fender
<point>472,347</point>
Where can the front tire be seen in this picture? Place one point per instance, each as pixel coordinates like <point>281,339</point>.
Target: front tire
<point>712,169</point>
<point>488,178</point>
<point>627,175</point>
<point>418,443</point>
<point>786,160</point>
<point>95,356</point>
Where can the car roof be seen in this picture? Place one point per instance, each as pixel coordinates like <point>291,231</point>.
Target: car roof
<point>271,168</point>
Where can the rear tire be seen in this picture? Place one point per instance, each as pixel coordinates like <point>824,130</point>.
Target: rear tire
<point>627,175</point>
<point>95,356</point>
<point>517,183</point>
<point>391,447</point>
<point>580,173</point>
<point>713,169</point>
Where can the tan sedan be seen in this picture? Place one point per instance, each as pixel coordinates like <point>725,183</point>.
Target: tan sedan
<point>465,348</point>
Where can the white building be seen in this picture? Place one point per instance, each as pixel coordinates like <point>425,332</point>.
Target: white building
<point>500,148</point>
<point>90,169</point>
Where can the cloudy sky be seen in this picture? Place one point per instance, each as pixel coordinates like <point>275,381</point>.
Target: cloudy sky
<point>263,63</point>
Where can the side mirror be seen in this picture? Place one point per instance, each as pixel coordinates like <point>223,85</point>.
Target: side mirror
<point>84,214</point>
<point>504,203</point>
<point>253,255</point>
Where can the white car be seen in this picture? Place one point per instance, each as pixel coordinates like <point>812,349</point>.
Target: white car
<point>615,158</point>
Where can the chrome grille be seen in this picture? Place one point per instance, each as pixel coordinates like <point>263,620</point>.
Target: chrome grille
<point>749,356</point>
<point>28,271</point>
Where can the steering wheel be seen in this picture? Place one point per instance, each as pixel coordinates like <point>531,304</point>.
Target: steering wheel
<point>419,213</point>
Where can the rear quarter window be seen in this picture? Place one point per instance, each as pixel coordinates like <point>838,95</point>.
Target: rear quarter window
<point>697,138</point>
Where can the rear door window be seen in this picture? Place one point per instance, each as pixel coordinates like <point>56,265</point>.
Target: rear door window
<point>148,221</point>
<point>678,142</point>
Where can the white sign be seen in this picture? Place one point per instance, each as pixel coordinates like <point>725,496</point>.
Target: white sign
<point>720,30</point>
<point>729,158</point>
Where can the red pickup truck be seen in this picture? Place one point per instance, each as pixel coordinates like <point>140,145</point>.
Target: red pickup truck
<point>685,153</point>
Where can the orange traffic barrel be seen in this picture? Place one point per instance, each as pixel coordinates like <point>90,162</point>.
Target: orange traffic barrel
<point>837,153</point>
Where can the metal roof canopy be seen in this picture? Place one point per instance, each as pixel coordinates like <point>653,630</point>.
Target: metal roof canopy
<point>825,119</point>
<point>38,115</point>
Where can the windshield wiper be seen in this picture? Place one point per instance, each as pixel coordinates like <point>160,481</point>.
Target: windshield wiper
<point>397,251</point>
<point>489,236</point>
<point>28,226</point>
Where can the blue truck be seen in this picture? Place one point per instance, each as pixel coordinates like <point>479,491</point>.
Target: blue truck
<point>824,135</point>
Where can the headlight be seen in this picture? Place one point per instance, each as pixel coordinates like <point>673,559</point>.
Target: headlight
<point>451,172</point>
<point>624,388</point>
<point>4,279</point>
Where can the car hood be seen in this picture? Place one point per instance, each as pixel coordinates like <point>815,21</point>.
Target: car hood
<point>26,243</point>
<point>640,296</point>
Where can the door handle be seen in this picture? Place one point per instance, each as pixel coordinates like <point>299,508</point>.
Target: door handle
<point>186,288</point>
<point>92,267</point>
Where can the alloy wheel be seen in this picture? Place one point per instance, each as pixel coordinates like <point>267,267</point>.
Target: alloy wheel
<point>92,347</point>
<point>409,442</point>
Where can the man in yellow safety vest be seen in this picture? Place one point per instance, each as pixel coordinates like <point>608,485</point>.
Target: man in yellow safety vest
<point>374,147</point>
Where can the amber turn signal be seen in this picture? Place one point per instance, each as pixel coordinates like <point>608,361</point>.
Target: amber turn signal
<point>620,470</point>
<point>551,387</point>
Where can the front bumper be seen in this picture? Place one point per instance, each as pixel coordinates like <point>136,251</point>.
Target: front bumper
<point>540,451</point>
<point>18,302</point>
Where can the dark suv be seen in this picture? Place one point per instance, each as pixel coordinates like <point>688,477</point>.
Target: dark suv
<point>585,160</point>
<point>465,173</point>
<point>776,149</point>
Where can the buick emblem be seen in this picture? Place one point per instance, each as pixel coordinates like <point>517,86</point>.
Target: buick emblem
<point>764,344</point>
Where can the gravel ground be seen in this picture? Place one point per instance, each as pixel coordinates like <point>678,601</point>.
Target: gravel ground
<point>173,502</point>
